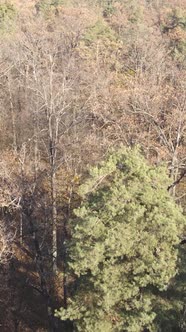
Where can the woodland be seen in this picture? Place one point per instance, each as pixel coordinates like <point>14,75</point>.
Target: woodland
<point>92,165</point>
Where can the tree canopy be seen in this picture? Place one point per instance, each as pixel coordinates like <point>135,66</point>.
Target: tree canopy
<point>78,77</point>
<point>123,244</point>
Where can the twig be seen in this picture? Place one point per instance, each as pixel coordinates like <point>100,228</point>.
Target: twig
<point>177,181</point>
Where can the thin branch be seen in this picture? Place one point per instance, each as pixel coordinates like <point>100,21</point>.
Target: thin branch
<point>177,181</point>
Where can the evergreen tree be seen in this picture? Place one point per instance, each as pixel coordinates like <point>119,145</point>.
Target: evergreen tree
<point>123,246</point>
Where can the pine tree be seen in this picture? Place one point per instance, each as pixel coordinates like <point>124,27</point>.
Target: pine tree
<point>123,246</point>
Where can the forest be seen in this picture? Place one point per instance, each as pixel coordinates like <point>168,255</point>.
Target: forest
<point>93,165</point>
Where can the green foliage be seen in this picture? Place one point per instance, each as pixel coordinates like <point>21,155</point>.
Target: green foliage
<point>179,51</point>
<point>100,42</point>
<point>134,11</point>
<point>7,16</point>
<point>123,245</point>
<point>108,7</point>
<point>170,304</point>
<point>176,27</point>
<point>46,6</point>
<point>100,31</point>
<point>177,17</point>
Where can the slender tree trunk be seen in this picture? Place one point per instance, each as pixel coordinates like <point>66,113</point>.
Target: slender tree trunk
<point>174,173</point>
<point>21,227</point>
<point>54,222</point>
<point>13,118</point>
<point>52,152</point>
<point>41,271</point>
<point>53,135</point>
<point>64,248</point>
<point>22,157</point>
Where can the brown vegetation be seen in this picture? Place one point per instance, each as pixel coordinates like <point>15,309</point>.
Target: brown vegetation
<point>75,82</point>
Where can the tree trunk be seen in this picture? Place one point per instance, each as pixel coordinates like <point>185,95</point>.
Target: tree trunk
<point>54,221</point>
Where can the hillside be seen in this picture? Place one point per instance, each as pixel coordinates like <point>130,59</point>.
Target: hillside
<point>79,79</point>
